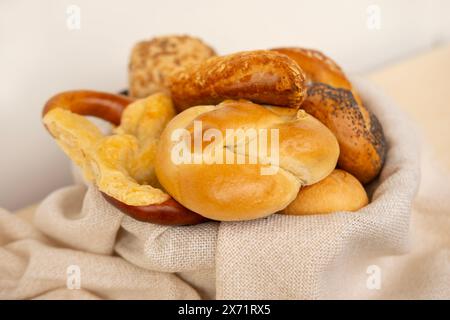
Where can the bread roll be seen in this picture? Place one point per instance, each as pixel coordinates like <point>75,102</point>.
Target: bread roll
<point>307,151</point>
<point>319,68</point>
<point>332,99</point>
<point>340,191</point>
<point>152,61</point>
<point>264,77</point>
<point>360,135</point>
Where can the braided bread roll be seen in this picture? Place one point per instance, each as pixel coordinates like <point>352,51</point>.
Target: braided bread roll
<point>226,191</point>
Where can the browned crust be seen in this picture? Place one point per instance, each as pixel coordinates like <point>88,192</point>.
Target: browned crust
<point>317,66</point>
<point>260,76</point>
<point>333,100</point>
<point>103,105</point>
<point>361,138</point>
<point>170,212</point>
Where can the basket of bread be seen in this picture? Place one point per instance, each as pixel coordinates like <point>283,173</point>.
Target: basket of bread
<point>249,175</point>
<point>225,138</point>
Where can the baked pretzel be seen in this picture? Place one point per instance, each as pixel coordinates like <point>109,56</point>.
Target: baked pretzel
<point>110,107</point>
<point>106,106</point>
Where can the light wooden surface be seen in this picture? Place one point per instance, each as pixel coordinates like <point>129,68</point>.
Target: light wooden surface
<point>421,87</point>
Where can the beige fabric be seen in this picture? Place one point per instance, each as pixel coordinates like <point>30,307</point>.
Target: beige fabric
<point>307,257</point>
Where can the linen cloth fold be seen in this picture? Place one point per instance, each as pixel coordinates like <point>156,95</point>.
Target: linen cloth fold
<point>396,247</point>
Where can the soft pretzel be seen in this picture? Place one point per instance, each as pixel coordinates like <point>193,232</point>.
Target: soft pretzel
<point>152,61</point>
<point>102,105</point>
<point>260,76</point>
<point>169,212</point>
<point>340,191</point>
<point>121,165</point>
<point>333,100</point>
<point>227,191</point>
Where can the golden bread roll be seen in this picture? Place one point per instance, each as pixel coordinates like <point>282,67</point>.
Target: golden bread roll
<point>152,61</point>
<point>340,191</point>
<point>228,191</point>
<point>264,77</point>
<point>360,135</point>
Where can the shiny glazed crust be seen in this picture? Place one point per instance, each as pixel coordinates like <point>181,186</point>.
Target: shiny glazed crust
<point>103,105</point>
<point>110,107</point>
<point>260,76</point>
<point>308,152</point>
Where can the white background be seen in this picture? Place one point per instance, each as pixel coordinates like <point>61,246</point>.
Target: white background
<point>40,56</point>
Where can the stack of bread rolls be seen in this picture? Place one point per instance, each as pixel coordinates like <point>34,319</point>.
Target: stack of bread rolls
<point>329,143</point>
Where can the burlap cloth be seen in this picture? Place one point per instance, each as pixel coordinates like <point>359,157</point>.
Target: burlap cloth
<point>403,236</point>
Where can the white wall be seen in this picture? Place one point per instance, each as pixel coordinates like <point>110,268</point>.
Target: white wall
<point>40,56</point>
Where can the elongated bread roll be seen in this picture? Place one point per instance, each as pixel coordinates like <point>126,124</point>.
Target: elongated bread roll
<point>264,77</point>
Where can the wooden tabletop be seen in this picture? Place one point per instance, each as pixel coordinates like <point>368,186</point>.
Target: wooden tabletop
<point>421,87</point>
